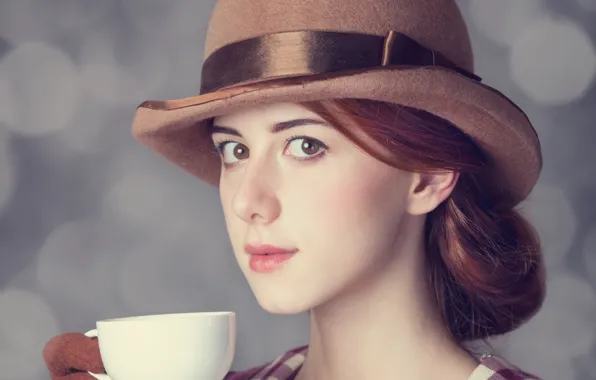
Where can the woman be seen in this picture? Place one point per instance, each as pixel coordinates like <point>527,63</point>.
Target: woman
<point>366,176</point>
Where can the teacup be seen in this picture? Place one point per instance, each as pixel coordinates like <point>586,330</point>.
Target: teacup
<point>187,346</point>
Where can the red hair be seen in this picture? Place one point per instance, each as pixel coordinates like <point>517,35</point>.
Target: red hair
<point>484,262</point>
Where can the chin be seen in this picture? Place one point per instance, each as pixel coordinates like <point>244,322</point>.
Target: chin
<point>282,302</point>
<point>282,309</point>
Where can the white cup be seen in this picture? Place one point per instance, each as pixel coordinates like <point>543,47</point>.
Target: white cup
<point>187,346</point>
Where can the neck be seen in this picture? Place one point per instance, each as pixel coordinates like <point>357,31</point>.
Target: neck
<point>383,327</point>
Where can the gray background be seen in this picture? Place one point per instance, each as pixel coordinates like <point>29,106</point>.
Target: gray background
<point>94,226</point>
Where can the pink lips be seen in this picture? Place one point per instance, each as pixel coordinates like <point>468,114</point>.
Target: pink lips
<point>267,258</point>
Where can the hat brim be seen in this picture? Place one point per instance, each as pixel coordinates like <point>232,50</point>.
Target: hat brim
<point>176,129</point>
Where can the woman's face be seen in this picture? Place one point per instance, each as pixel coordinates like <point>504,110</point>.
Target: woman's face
<point>290,180</point>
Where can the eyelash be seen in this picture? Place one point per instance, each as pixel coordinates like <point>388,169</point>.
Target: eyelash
<point>218,147</point>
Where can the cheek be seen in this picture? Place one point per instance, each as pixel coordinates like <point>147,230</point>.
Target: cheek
<point>226,204</point>
<point>236,228</point>
<point>347,210</point>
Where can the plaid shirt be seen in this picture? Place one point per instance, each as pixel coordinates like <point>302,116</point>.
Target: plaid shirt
<point>286,367</point>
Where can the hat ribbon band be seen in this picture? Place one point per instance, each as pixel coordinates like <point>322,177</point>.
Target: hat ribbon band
<point>300,53</point>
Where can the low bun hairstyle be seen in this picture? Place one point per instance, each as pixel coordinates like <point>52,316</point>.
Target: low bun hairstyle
<point>485,265</point>
<point>484,262</point>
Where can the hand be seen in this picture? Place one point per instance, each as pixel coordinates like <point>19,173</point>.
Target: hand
<point>69,356</point>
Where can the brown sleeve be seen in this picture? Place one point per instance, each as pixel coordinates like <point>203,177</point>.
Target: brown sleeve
<point>71,355</point>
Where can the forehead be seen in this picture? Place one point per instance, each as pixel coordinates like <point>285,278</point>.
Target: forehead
<point>266,115</point>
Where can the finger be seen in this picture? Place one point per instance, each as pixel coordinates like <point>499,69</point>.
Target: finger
<point>75,376</point>
<point>80,376</point>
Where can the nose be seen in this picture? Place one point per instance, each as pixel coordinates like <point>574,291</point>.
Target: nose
<point>255,200</point>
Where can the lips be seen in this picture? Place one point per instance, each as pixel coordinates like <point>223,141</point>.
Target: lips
<point>266,258</point>
<point>267,249</point>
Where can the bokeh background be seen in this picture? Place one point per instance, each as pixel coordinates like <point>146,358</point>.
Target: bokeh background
<point>94,226</point>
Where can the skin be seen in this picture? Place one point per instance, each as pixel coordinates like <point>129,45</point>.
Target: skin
<point>358,226</point>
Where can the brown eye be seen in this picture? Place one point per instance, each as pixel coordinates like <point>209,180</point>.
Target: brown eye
<point>304,147</point>
<point>233,152</point>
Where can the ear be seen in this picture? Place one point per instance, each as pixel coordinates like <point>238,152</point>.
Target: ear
<point>429,190</point>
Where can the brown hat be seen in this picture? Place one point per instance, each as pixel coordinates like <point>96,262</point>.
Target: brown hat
<point>411,52</point>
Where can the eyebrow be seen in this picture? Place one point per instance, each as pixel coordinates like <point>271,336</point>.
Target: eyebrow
<point>275,128</point>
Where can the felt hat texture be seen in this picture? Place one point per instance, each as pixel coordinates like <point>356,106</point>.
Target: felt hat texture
<point>415,53</point>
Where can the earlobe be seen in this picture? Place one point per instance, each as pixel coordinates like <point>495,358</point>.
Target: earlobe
<point>429,190</point>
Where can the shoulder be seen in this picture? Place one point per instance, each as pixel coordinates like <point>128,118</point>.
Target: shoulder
<point>281,368</point>
<point>493,367</point>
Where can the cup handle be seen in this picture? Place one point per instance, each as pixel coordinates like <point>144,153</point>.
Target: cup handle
<point>98,376</point>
